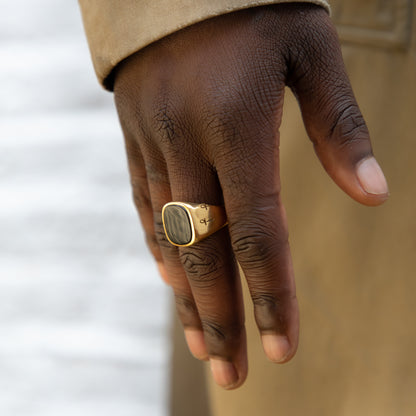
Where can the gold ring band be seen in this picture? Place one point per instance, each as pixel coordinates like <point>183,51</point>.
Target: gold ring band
<point>186,224</point>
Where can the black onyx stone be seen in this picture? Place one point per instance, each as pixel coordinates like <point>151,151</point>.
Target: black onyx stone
<point>177,225</point>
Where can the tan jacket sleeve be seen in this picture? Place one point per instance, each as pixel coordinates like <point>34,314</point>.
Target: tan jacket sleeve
<point>117,28</point>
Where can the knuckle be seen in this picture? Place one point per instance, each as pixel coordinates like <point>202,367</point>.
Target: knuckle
<point>200,265</point>
<point>222,340</point>
<point>164,119</point>
<point>214,331</point>
<point>187,310</point>
<point>252,247</point>
<point>271,310</point>
<point>275,301</point>
<point>255,246</point>
<point>266,300</point>
<point>165,124</point>
<point>349,125</point>
<point>248,106</point>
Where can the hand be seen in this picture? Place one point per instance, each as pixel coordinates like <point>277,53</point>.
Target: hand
<point>200,111</point>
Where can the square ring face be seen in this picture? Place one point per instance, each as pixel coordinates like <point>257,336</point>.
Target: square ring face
<point>177,224</point>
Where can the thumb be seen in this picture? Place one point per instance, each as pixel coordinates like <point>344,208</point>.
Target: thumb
<point>334,122</point>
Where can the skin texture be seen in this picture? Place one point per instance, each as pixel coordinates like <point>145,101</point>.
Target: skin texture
<point>200,111</point>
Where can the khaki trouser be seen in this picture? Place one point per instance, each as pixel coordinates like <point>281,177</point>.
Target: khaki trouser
<point>355,266</point>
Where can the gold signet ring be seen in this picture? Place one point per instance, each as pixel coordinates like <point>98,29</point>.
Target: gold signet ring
<point>186,224</point>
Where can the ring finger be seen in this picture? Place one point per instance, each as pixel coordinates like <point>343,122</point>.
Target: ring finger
<point>213,276</point>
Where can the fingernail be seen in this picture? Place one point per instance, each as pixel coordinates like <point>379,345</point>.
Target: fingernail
<point>224,372</point>
<point>163,273</point>
<point>276,347</point>
<point>196,344</point>
<point>371,177</point>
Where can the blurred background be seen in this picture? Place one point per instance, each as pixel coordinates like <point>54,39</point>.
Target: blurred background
<point>83,312</point>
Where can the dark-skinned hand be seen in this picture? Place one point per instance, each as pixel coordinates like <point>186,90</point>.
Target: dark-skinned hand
<point>200,112</point>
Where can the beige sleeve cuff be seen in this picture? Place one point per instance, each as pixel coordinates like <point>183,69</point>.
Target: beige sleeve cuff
<point>117,29</point>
